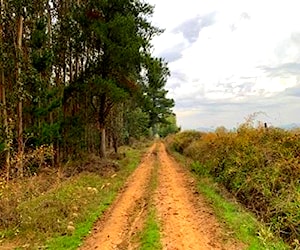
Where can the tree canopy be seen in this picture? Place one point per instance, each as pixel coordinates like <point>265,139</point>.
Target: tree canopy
<point>77,75</point>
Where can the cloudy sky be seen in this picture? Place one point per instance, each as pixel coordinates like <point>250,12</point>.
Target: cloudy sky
<point>230,59</point>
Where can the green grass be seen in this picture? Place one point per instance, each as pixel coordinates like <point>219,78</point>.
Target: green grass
<point>244,225</point>
<point>74,240</point>
<point>241,224</point>
<point>82,229</point>
<point>63,216</point>
<point>150,235</point>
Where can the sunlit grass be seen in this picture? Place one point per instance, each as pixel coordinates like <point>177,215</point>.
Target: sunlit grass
<point>244,225</point>
<point>241,225</point>
<point>150,237</point>
<point>61,217</point>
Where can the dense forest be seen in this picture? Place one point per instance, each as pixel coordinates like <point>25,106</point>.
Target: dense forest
<point>77,76</point>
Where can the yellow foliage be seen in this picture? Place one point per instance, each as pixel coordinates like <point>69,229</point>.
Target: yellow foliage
<point>260,166</point>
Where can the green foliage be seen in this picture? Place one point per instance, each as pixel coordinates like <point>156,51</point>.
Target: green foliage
<point>155,101</point>
<point>260,167</point>
<point>79,72</point>
<point>183,139</point>
<point>170,127</point>
<point>2,147</point>
<point>41,60</point>
<point>110,88</point>
<point>137,123</point>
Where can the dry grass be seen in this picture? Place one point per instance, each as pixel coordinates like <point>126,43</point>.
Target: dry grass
<point>55,208</point>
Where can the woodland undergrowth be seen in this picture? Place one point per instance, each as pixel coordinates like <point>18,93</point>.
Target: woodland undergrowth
<point>55,208</point>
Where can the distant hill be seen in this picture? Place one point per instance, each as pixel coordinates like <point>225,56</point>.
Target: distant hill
<point>290,126</point>
<point>204,129</point>
<point>284,126</point>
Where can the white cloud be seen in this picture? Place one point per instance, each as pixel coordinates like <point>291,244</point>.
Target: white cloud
<point>248,54</point>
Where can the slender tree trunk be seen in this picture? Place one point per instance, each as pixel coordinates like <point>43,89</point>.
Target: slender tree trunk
<point>3,101</point>
<point>102,142</point>
<point>76,66</point>
<point>49,24</point>
<point>70,64</point>
<point>20,104</point>
<point>64,67</point>
<point>5,122</point>
<point>115,143</point>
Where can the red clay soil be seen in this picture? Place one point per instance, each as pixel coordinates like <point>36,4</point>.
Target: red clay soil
<point>112,231</point>
<point>186,220</point>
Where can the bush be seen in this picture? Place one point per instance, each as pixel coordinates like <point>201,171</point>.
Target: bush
<point>183,139</point>
<point>260,167</point>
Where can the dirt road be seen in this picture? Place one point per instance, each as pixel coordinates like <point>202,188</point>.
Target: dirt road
<point>186,221</point>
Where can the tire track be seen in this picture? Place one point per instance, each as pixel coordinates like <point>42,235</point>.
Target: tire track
<point>118,227</point>
<point>187,222</point>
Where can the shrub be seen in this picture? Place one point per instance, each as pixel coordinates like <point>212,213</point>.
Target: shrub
<point>183,139</point>
<point>260,167</point>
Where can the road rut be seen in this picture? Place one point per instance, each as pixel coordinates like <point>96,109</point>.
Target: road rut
<point>185,219</point>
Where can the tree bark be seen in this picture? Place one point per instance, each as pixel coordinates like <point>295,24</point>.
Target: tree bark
<point>6,125</point>
<point>20,104</point>
<point>70,64</point>
<point>3,101</point>
<point>102,142</point>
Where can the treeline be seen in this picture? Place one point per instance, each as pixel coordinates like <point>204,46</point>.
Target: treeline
<point>259,166</point>
<point>77,76</point>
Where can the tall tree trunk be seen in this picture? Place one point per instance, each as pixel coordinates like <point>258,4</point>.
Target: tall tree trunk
<point>102,142</point>
<point>70,64</point>
<point>76,66</point>
<point>5,122</point>
<point>20,104</point>
<point>3,101</point>
<point>64,67</point>
<point>6,125</point>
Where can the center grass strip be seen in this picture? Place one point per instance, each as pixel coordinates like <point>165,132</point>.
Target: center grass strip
<point>150,235</point>
<point>241,224</point>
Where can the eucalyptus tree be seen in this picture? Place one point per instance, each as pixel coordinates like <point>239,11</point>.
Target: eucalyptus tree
<point>25,70</point>
<point>73,68</point>
<point>3,107</point>
<point>12,19</point>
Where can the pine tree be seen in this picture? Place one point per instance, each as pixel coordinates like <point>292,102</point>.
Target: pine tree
<point>77,75</point>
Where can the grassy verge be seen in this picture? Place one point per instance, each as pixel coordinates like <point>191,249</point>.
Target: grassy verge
<point>238,223</point>
<point>60,217</point>
<point>150,235</point>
